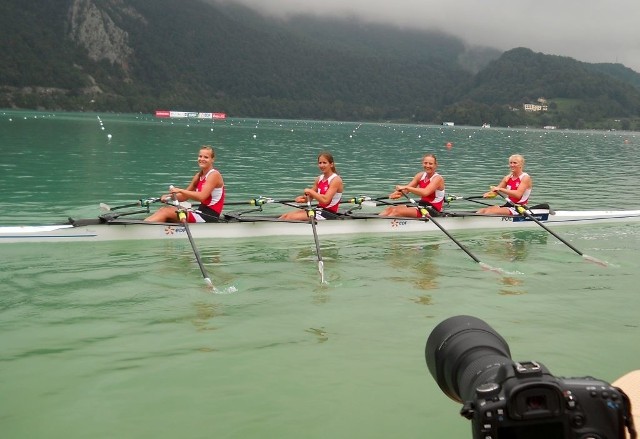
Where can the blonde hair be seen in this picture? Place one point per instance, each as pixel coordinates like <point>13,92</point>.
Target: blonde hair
<point>519,158</point>
<point>210,149</point>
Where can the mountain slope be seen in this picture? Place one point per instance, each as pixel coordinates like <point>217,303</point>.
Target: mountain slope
<point>136,55</point>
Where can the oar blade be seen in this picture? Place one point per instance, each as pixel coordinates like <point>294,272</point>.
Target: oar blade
<point>595,260</point>
<point>321,271</point>
<point>488,267</point>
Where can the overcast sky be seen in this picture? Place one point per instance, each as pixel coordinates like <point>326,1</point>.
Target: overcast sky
<point>587,30</point>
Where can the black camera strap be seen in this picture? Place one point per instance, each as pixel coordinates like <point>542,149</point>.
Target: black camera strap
<point>628,415</point>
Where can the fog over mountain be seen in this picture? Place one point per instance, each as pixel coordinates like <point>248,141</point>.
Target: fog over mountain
<point>595,31</point>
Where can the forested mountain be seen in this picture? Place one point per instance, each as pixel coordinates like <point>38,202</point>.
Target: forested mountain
<point>578,94</point>
<point>140,55</point>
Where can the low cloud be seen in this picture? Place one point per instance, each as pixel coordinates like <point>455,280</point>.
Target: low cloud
<point>587,30</point>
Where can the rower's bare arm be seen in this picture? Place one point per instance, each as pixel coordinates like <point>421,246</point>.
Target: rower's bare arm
<point>435,184</point>
<point>494,189</point>
<point>334,187</point>
<point>401,189</point>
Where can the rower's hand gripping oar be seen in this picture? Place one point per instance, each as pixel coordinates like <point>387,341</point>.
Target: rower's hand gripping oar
<point>312,218</point>
<point>523,211</point>
<point>425,214</point>
<point>182,216</point>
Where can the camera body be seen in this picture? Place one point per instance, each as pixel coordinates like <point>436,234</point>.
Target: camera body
<point>527,402</point>
<point>504,399</point>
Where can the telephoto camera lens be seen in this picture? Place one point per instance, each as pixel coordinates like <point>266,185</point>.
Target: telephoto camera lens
<point>463,352</point>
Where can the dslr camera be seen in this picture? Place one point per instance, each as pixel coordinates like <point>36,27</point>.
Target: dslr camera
<point>505,399</point>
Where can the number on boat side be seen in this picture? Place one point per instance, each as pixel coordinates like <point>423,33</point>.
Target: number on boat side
<point>507,218</point>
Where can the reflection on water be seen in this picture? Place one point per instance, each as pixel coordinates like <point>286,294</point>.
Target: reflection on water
<point>423,300</point>
<point>512,283</point>
<point>421,260</point>
<point>320,334</point>
<point>515,246</point>
<point>512,246</point>
<point>205,312</point>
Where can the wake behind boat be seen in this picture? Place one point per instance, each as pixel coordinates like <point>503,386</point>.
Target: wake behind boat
<point>114,228</point>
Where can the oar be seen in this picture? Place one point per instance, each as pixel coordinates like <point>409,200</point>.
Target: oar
<point>182,216</point>
<point>427,217</point>
<point>312,219</point>
<point>523,211</point>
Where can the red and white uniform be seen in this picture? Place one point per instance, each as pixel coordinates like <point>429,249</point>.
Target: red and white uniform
<point>513,183</point>
<point>214,202</point>
<point>436,199</point>
<point>323,188</point>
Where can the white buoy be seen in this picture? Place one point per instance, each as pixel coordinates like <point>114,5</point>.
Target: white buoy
<point>109,136</point>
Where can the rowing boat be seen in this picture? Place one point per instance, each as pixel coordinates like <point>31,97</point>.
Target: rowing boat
<point>105,229</point>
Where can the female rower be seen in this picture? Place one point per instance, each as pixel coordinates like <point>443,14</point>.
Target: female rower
<point>428,185</point>
<point>327,191</point>
<point>207,187</point>
<point>516,186</point>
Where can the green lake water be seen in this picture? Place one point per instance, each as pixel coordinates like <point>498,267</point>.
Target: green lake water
<point>121,339</point>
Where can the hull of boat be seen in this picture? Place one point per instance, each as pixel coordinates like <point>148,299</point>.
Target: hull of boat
<point>135,230</point>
